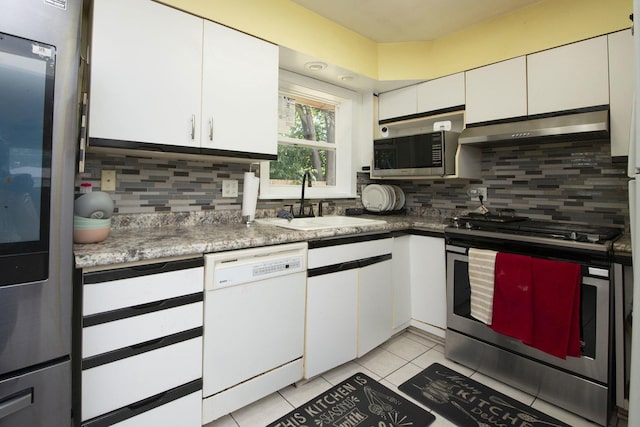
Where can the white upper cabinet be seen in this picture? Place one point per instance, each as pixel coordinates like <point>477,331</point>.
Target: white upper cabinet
<point>442,93</point>
<point>497,91</point>
<point>568,77</point>
<point>145,73</point>
<point>162,76</point>
<point>239,92</point>
<point>621,89</point>
<point>398,103</point>
<point>434,95</point>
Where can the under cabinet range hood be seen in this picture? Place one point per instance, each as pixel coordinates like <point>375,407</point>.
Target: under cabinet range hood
<point>589,125</point>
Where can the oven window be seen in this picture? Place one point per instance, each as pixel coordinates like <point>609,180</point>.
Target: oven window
<point>588,317</point>
<point>462,290</point>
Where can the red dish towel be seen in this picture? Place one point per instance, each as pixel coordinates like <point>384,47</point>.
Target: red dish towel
<point>513,296</point>
<point>556,307</point>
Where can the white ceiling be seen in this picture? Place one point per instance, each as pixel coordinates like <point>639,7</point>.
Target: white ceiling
<point>386,21</point>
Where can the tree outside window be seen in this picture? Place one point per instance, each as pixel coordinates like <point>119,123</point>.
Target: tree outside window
<point>306,142</point>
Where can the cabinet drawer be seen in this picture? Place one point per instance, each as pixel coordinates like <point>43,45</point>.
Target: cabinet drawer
<point>331,255</point>
<point>183,412</point>
<point>117,384</point>
<point>128,292</point>
<point>128,331</point>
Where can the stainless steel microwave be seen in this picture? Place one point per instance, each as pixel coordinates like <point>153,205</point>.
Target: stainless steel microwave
<point>427,154</point>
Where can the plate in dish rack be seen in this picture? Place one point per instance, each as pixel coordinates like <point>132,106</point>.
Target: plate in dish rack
<point>375,198</point>
<point>400,197</point>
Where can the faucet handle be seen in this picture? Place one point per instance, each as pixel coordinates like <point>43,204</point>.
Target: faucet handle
<point>320,206</point>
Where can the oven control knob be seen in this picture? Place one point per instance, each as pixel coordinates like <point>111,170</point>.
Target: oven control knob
<point>468,225</point>
<point>573,236</point>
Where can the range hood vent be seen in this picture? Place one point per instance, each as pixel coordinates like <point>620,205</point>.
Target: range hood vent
<point>591,125</point>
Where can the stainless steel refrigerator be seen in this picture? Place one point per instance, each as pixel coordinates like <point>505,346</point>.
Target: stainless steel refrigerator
<point>634,210</point>
<point>39,59</point>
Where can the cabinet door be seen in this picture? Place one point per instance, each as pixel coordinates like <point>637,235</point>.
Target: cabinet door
<point>497,91</point>
<point>401,282</point>
<point>428,284</point>
<point>375,307</point>
<point>568,77</point>
<point>398,103</point>
<point>442,93</point>
<point>332,316</point>
<point>239,92</point>
<point>621,89</point>
<point>145,73</point>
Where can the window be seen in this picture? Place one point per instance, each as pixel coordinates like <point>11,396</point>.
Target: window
<point>315,133</point>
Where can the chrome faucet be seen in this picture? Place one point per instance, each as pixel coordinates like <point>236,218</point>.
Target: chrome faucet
<point>306,177</point>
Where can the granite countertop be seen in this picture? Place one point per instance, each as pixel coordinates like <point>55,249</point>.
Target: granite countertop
<point>148,244</point>
<point>131,245</point>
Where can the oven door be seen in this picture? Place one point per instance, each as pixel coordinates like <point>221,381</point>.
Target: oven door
<point>594,318</point>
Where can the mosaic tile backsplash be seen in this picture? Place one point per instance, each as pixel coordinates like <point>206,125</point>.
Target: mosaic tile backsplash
<point>568,181</point>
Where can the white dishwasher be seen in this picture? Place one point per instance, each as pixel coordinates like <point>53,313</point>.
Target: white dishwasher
<point>253,325</point>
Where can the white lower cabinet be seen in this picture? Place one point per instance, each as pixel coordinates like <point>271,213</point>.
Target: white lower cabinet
<point>428,284</point>
<point>401,282</point>
<point>349,300</point>
<point>141,346</point>
<point>375,305</point>
<point>332,321</point>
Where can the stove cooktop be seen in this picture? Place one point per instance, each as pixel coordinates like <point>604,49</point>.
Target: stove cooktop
<point>523,226</point>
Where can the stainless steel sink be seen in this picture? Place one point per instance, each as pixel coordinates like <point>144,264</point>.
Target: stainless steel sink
<point>320,222</point>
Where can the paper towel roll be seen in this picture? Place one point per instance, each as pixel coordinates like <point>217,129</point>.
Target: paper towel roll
<point>250,195</point>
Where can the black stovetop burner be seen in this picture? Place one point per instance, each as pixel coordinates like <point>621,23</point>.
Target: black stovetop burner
<point>523,226</point>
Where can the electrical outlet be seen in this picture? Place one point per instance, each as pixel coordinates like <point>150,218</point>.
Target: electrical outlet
<point>108,180</point>
<point>230,188</point>
<point>474,193</point>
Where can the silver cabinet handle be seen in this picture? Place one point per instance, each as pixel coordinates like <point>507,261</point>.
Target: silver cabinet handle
<point>193,127</point>
<point>16,404</point>
<point>211,129</point>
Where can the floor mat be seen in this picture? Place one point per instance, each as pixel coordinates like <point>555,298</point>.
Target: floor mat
<point>357,401</point>
<point>466,402</point>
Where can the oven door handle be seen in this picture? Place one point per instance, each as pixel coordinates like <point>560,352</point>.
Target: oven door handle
<point>457,249</point>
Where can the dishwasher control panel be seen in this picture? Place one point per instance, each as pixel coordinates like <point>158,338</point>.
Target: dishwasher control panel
<point>251,265</point>
<point>274,267</point>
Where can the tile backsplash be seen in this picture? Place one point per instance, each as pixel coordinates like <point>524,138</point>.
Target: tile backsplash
<point>568,181</point>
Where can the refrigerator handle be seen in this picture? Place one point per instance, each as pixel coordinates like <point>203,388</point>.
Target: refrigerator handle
<point>16,403</point>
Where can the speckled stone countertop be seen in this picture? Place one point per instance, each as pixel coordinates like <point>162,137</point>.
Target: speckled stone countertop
<point>131,245</point>
<point>168,240</point>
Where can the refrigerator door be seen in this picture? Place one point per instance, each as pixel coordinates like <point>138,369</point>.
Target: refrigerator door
<point>40,398</point>
<point>634,388</point>
<point>35,325</point>
<point>634,198</point>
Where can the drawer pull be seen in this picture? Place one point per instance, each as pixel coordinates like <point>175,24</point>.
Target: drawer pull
<point>147,343</point>
<point>16,403</point>
<point>149,305</point>
<point>150,401</point>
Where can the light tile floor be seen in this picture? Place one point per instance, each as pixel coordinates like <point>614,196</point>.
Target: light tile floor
<point>394,362</point>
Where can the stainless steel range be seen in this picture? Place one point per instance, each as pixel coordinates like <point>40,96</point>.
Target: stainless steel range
<point>581,384</point>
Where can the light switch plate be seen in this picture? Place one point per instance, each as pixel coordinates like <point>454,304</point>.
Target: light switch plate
<point>230,188</point>
<point>108,180</point>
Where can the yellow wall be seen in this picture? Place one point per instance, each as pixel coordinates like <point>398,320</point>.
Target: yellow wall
<point>545,24</point>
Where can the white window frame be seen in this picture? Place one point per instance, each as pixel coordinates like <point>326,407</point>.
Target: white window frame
<point>347,108</point>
